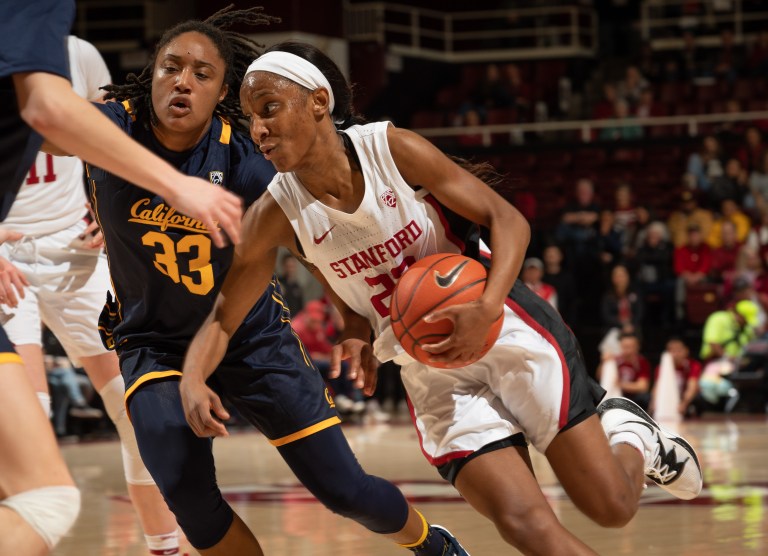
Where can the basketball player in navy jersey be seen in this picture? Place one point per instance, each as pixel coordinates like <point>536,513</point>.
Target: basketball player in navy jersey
<point>166,273</point>
<point>360,203</point>
<point>38,500</point>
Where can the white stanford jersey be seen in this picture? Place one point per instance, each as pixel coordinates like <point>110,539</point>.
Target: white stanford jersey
<point>52,197</point>
<point>363,254</point>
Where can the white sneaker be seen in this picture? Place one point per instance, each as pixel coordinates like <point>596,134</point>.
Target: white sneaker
<point>670,461</point>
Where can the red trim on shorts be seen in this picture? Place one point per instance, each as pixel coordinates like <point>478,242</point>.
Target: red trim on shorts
<point>442,460</point>
<point>547,335</point>
<point>444,221</point>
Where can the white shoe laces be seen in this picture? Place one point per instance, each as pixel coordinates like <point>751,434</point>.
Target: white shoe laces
<point>657,471</point>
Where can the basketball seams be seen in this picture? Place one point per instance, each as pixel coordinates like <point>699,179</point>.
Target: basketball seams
<point>414,289</point>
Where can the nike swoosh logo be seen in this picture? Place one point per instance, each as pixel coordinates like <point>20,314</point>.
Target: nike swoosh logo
<point>319,240</point>
<point>447,280</point>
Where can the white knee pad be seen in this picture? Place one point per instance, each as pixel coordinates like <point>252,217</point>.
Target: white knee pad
<point>113,394</point>
<point>50,511</point>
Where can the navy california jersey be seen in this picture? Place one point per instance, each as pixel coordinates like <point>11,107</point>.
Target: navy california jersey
<point>33,38</point>
<point>166,271</point>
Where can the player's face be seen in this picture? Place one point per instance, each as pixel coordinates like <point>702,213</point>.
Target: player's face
<point>283,122</point>
<point>187,83</point>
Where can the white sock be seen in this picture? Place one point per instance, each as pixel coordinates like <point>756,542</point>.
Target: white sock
<point>163,545</point>
<point>628,437</point>
<point>45,401</point>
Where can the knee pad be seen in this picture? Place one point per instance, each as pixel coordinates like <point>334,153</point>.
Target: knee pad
<point>50,511</point>
<point>113,395</point>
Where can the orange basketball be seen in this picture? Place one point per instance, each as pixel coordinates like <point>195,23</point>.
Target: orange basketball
<point>433,283</point>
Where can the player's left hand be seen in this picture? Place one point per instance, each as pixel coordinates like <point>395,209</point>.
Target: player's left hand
<point>12,281</point>
<point>471,322</point>
<point>363,365</point>
<point>203,409</point>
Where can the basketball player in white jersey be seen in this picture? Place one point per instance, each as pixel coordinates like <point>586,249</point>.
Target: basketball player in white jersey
<point>60,260</point>
<point>360,203</point>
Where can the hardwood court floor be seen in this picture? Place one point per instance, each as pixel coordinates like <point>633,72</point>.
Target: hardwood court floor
<point>729,518</point>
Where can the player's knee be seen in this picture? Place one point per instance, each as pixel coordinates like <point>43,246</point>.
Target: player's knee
<point>612,510</point>
<point>50,511</point>
<point>113,394</point>
<point>525,529</point>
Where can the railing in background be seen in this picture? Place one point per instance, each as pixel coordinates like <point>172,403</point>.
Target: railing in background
<point>585,128</point>
<point>662,22</point>
<point>476,36</point>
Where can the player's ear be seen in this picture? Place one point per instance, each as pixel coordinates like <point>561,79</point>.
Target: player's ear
<point>223,92</point>
<point>320,101</point>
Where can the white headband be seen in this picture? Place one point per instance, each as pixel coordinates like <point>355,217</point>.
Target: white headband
<point>295,68</point>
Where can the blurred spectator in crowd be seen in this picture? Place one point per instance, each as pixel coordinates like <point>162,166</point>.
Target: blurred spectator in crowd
<point>693,263</point>
<point>70,394</point>
<point>758,56</point>
<point>634,371</point>
<point>625,213</point>
<point>647,107</point>
<point>749,268</point>
<point>649,64</point>
<point>729,212</point>
<point>687,373</point>
<point>655,273</point>
<point>603,109</point>
<point>689,214</point>
<point>733,130</point>
<point>730,58</point>
<point>470,117</point>
<point>492,91</point>
<point>632,86</point>
<point>758,186</point>
<point>518,89</point>
<point>531,275</point>
<point>562,280</point>
<point>315,328</point>
<point>758,235</point>
<point>621,307</point>
<point>293,292</point>
<point>609,239</point>
<point>724,257</point>
<point>624,131</point>
<point>706,164</point>
<point>578,225</point>
<point>731,186</point>
<point>752,153</point>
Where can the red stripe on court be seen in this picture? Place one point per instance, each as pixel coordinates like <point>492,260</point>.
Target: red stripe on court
<point>547,335</point>
<point>453,238</point>
<point>442,460</point>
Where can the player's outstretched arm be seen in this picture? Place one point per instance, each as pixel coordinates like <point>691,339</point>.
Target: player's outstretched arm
<point>265,226</point>
<point>50,106</point>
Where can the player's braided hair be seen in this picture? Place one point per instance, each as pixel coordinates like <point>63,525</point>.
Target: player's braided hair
<point>236,49</point>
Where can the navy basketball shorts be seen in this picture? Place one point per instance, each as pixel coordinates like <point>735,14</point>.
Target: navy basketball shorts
<point>7,352</point>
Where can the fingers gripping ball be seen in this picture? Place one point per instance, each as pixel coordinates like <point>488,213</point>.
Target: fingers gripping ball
<point>433,283</point>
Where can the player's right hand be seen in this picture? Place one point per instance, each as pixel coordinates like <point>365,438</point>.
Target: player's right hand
<point>362,364</point>
<point>12,281</point>
<point>203,409</point>
<point>214,206</point>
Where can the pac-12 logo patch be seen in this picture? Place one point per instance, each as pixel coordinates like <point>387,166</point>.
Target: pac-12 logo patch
<point>389,198</point>
<point>216,177</point>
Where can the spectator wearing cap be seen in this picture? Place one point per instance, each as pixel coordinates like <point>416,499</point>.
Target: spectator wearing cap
<point>689,213</point>
<point>532,274</point>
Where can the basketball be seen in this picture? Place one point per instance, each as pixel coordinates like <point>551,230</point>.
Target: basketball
<point>433,283</point>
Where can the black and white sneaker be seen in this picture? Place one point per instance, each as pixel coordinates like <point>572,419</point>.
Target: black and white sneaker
<point>670,461</point>
<point>455,549</point>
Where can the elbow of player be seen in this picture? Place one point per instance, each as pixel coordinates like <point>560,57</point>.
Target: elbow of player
<point>44,112</point>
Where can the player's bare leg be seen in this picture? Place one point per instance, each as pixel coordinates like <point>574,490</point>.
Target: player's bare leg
<point>604,483</point>
<point>155,517</point>
<point>238,540</point>
<point>501,486</point>
<point>30,460</point>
